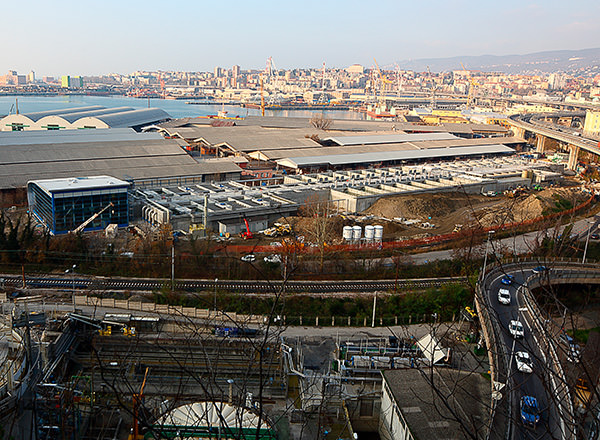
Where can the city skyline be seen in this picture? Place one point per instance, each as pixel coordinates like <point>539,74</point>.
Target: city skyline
<point>187,36</point>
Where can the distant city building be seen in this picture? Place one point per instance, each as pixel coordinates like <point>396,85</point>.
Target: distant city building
<point>218,72</point>
<point>71,82</point>
<point>12,79</point>
<point>591,127</point>
<point>355,68</point>
<point>556,81</point>
<point>31,77</point>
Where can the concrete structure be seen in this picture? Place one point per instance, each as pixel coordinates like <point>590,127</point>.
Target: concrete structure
<point>62,205</point>
<point>430,403</point>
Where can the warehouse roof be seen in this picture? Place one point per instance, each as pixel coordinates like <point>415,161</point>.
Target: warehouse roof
<point>304,152</point>
<point>97,152</point>
<point>362,158</point>
<point>132,118</point>
<point>35,116</point>
<point>388,138</point>
<point>41,137</point>
<point>72,117</point>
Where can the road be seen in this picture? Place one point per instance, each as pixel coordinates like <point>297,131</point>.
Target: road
<point>520,244</point>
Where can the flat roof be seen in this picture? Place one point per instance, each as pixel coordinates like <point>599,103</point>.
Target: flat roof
<point>79,183</point>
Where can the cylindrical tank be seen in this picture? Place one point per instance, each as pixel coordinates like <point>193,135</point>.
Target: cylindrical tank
<point>369,233</point>
<point>347,233</point>
<point>378,233</point>
<point>356,232</point>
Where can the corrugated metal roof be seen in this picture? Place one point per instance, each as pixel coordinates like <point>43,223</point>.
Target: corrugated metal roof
<point>363,158</point>
<point>141,156</point>
<point>72,117</point>
<point>36,116</point>
<point>388,138</point>
<point>134,118</point>
<point>41,137</point>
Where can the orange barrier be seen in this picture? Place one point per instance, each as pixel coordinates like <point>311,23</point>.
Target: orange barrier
<point>435,239</point>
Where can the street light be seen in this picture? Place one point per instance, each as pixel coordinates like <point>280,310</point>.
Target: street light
<point>215,305</point>
<point>230,382</point>
<point>374,306</point>
<point>587,240</point>
<point>72,272</point>
<point>490,233</point>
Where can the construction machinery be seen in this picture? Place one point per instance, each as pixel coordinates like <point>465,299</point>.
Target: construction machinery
<point>278,230</point>
<point>247,233</point>
<point>82,226</point>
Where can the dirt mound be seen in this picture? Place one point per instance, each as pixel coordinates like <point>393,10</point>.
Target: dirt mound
<point>531,206</point>
<point>423,206</point>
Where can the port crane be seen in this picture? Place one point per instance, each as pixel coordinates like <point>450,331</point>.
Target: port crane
<point>382,82</point>
<point>82,226</point>
<point>472,85</point>
<point>433,89</point>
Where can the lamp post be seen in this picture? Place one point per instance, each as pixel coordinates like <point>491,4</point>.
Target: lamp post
<point>230,382</point>
<point>374,307</point>
<point>72,272</point>
<point>487,245</point>
<point>215,304</point>
<point>587,240</point>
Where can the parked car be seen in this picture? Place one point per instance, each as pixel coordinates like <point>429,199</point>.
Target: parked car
<point>507,280</point>
<point>530,412</point>
<point>595,236</point>
<point>516,329</point>
<point>274,258</point>
<point>250,258</point>
<point>504,296</point>
<point>573,350</point>
<point>524,363</point>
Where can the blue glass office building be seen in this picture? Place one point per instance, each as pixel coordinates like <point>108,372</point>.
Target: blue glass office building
<point>64,204</point>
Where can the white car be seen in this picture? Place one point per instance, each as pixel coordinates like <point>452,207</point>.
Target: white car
<point>275,258</point>
<point>516,329</point>
<point>250,258</point>
<point>504,296</point>
<point>524,363</point>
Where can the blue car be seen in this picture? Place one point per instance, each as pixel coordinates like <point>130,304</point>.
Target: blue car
<point>530,412</point>
<point>507,280</point>
<point>540,269</point>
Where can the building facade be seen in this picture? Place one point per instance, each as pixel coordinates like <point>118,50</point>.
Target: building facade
<point>63,205</point>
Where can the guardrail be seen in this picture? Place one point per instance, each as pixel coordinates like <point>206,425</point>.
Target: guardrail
<point>580,274</point>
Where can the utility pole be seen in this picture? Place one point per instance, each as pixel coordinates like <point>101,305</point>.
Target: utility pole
<point>173,266</point>
<point>374,307</point>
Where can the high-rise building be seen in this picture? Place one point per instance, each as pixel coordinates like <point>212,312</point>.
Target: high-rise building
<point>31,77</point>
<point>236,70</point>
<point>218,72</point>
<point>71,82</point>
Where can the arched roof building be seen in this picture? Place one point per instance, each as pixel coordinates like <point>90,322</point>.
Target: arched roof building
<point>84,117</point>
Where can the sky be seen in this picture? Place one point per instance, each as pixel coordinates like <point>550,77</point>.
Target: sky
<point>82,37</point>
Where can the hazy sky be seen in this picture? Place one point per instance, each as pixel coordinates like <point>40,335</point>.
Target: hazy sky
<point>83,37</point>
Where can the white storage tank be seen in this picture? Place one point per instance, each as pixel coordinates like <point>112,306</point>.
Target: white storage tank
<point>356,232</point>
<point>378,233</point>
<point>369,233</point>
<point>347,233</point>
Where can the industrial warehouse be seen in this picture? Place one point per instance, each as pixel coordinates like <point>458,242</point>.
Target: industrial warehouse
<point>246,177</point>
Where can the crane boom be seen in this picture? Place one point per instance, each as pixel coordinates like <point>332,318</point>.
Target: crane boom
<point>82,226</point>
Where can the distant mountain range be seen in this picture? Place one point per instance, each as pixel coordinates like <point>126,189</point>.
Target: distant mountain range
<point>583,62</point>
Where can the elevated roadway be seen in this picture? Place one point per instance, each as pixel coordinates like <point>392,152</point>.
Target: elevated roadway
<point>548,382</point>
<point>530,123</point>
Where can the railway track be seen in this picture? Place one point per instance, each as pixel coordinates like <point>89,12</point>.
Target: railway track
<point>43,282</point>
